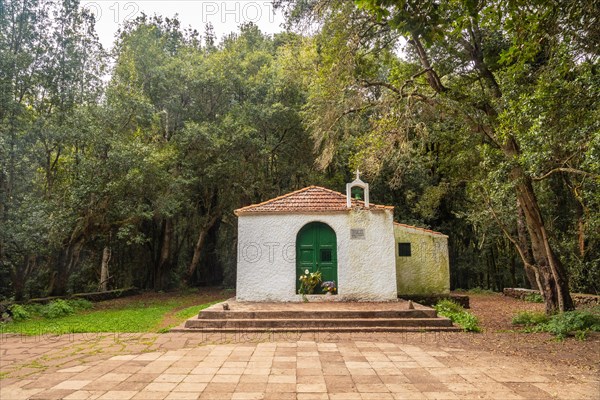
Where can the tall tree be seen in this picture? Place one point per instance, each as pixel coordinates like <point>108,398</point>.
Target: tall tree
<point>52,62</point>
<point>468,66</point>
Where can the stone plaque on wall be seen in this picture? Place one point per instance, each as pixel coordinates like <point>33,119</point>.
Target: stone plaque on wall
<point>357,234</point>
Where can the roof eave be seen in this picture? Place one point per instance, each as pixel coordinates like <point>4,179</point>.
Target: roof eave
<point>240,212</point>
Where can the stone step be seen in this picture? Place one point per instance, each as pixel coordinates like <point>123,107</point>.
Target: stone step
<point>317,314</point>
<point>242,332</point>
<point>317,323</point>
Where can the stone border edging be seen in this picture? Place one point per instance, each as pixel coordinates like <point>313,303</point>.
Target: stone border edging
<point>579,299</point>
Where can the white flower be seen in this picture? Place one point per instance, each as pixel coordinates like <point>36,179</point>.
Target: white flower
<point>306,271</point>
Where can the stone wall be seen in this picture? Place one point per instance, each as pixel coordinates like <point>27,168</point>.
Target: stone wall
<point>431,300</point>
<point>580,300</point>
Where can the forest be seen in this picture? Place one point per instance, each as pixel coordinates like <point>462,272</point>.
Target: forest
<point>476,118</point>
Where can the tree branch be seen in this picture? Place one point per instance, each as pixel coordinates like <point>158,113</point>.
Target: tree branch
<point>350,111</point>
<point>517,245</point>
<point>563,169</point>
<point>399,92</point>
<point>432,76</point>
<point>389,86</point>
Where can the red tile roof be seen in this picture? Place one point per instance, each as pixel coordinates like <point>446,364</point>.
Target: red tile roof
<point>419,229</point>
<point>309,199</point>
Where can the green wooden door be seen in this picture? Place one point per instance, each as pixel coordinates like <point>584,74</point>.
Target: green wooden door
<point>316,250</point>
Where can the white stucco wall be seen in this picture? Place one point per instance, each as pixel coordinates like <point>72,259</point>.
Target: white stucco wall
<point>266,268</point>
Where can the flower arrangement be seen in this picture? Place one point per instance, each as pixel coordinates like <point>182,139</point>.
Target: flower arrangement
<point>329,286</point>
<point>308,282</point>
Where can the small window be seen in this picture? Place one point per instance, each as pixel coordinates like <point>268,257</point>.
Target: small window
<point>404,249</point>
<point>326,255</point>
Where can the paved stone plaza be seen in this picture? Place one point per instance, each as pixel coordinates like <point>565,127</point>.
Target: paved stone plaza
<point>194,366</point>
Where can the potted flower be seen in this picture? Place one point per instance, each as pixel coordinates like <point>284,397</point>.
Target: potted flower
<point>329,287</point>
<point>308,283</point>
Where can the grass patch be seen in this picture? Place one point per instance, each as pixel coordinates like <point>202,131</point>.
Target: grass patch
<point>571,323</point>
<point>458,315</point>
<point>133,317</point>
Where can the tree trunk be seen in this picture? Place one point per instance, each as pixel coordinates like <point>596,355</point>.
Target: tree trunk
<point>67,259</point>
<point>200,245</point>
<point>19,274</point>
<point>530,271</point>
<point>106,255</point>
<point>512,268</point>
<point>164,259</point>
<point>555,288</point>
<point>581,236</point>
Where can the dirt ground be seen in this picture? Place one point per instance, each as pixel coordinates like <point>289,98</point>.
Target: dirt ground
<point>495,313</point>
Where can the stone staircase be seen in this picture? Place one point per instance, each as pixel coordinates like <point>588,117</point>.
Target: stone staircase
<point>317,316</point>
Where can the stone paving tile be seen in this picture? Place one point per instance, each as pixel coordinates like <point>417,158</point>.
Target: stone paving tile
<point>281,387</point>
<point>84,395</point>
<point>359,369</point>
<point>118,395</point>
<point>148,395</point>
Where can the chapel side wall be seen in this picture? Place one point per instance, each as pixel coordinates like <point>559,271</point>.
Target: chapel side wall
<point>427,270</point>
<point>266,269</point>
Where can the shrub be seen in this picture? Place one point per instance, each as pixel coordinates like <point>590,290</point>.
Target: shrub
<point>534,298</point>
<point>529,318</point>
<point>80,304</point>
<point>34,309</point>
<point>19,313</point>
<point>57,308</point>
<point>448,306</point>
<point>578,323</point>
<point>458,315</point>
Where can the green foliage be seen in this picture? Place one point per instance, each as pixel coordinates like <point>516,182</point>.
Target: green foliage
<point>571,323</point>
<point>458,315</point>
<point>80,304</point>
<point>178,137</point>
<point>534,298</point>
<point>54,309</point>
<point>19,313</point>
<point>35,309</point>
<point>577,323</point>
<point>529,318</point>
<point>57,308</point>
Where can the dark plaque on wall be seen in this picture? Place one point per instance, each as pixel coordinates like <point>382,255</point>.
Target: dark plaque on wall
<point>357,234</point>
